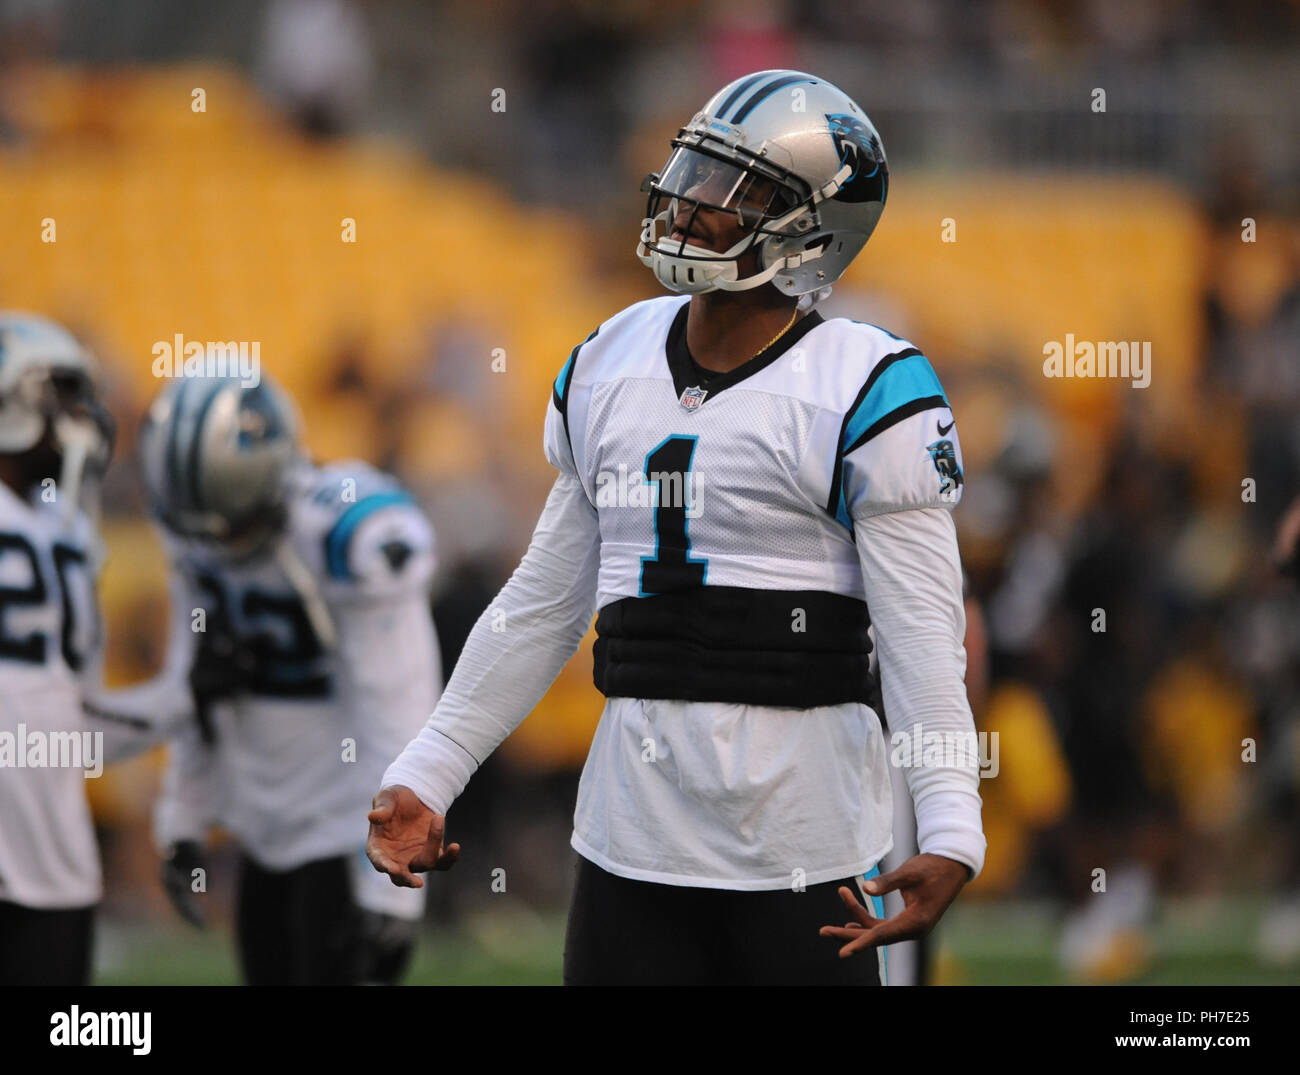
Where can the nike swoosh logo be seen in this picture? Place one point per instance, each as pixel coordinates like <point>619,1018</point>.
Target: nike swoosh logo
<point>943,432</point>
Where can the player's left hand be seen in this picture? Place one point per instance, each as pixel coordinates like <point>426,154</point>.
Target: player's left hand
<point>928,883</point>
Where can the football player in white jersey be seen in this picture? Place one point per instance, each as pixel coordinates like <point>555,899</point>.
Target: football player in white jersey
<point>744,487</point>
<point>301,626</point>
<point>57,725</point>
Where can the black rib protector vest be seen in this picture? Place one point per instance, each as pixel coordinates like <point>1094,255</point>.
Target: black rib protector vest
<point>785,648</point>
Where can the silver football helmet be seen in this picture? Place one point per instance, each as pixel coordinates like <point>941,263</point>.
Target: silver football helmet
<point>215,454</point>
<point>47,387</point>
<point>798,163</point>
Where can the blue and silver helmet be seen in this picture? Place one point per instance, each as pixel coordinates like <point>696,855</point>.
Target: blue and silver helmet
<point>800,165</point>
<point>215,453</point>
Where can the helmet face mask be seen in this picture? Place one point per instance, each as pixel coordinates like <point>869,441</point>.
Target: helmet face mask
<point>77,418</point>
<point>236,538</point>
<point>706,177</point>
<point>50,413</point>
<point>83,433</point>
<point>803,188</point>
<point>759,200</point>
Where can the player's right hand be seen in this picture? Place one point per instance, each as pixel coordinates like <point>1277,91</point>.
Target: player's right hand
<point>406,838</point>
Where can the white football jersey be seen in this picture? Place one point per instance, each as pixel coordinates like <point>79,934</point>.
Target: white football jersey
<point>732,628</point>
<point>737,534</point>
<point>297,755</point>
<point>839,419</point>
<point>49,637</point>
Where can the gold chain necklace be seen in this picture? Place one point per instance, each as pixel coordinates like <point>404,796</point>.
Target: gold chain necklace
<point>789,325</point>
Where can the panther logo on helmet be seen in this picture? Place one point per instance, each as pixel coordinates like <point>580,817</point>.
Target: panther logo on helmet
<point>260,418</point>
<point>859,146</point>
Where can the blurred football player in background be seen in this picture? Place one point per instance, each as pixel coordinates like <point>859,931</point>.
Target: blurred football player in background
<point>57,725</point>
<point>1278,938</point>
<point>300,625</point>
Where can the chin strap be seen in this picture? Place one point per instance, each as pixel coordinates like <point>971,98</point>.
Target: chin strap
<point>791,261</point>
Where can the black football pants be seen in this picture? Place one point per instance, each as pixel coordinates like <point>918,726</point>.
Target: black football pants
<point>304,927</point>
<point>39,947</point>
<point>624,932</point>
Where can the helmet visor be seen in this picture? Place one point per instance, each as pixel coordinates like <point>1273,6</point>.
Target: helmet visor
<point>714,183</point>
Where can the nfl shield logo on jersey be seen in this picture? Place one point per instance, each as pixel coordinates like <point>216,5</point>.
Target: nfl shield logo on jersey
<point>692,398</point>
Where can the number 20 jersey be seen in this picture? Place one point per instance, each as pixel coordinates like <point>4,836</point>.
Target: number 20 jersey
<point>49,640</point>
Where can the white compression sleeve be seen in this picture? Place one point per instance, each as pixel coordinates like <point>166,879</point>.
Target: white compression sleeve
<point>912,573</point>
<point>513,654</point>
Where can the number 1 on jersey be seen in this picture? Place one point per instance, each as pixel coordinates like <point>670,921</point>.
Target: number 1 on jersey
<point>668,467</point>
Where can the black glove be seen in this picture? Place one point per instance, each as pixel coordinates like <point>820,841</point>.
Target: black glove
<point>178,868</point>
<point>387,944</point>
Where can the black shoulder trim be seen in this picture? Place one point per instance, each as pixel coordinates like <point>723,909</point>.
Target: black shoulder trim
<point>895,416</point>
<point>560,393</point>
<point>680,363</point>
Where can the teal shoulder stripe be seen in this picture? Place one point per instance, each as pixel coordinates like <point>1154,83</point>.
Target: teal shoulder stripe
<point>562,380</point>
<point>339,538</point>
<point>906,381</point>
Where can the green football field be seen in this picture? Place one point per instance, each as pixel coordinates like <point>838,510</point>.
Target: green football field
<point>1191,943</point>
